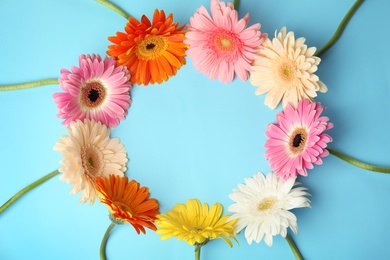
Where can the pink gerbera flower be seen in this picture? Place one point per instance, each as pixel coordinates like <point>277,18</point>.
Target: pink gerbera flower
<point>298,140</point>
<point>221,46</point>
<point>98,90</point>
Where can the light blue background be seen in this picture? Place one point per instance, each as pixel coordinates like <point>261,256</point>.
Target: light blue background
<point>193,137</point>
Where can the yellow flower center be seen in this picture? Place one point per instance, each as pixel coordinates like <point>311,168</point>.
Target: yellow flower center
<point>92,161</point>
<point>92,94</point>
<point>266,204</point>
<point>286,70</point>
<point>151,47</point>
<point>224,43</point>
<point>298,140</point>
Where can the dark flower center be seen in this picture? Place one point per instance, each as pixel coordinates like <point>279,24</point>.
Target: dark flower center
<point>297,140</point>
<point>150,46</point>
<point>92,94</point>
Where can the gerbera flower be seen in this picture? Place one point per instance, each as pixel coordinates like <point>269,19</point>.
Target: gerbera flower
<point>284,68</point>
<point>97,90</point>
<point>89,152</point>
<point>262,206</point>
<point>152,51</point>
<point>298,139</point>
<point>195,223</point>
<point>221,45</point>
<point>127,201</point>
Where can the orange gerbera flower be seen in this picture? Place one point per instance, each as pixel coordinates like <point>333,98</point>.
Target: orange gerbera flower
<point>152,51</point>
<point>127,202</point>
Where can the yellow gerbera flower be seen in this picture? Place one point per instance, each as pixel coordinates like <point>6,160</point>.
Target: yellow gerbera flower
<point>195,223</point>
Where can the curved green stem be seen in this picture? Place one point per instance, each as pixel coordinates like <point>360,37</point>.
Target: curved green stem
<point>114,8</point>
<point>236,3</point>
<point>197,251</point>
<point>104,241</point>
<point>340,29</point>
<point>27,189</point>
<point>294,248</point>
<point>31,84</point>
<point>358,163</point>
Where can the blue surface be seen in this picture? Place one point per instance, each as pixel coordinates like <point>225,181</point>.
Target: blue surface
<point>193,137</point>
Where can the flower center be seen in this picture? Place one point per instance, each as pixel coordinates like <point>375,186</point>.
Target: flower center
<point>298,141</point>
<point>92,94</point>
<point>151,47</point>
<point>193,229</point>
<point>123,207</point>
<point>196,229</point>
<point>266,204</point>
<point>224,43</point>
<point>92,161</point>
<point>287,70</point>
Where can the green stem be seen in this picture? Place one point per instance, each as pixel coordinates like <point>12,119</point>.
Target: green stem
<point>27,189</point>
<point>104,241</point>
<point>340,29</point>
<point>197,251</point>
<point>114,8</point>
<point>294,248</point>
<point>31,84</point>
<point>358,163</point>
<point>236,3</point>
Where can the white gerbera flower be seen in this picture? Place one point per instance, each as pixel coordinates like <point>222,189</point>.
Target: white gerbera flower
<point>284,69</point>
<point>263,207</point>
<point>89,152</point>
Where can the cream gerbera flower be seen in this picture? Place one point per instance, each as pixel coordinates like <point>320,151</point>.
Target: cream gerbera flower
<point>284,68</point>
<point>89,152</point>
<point>263,207</point>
